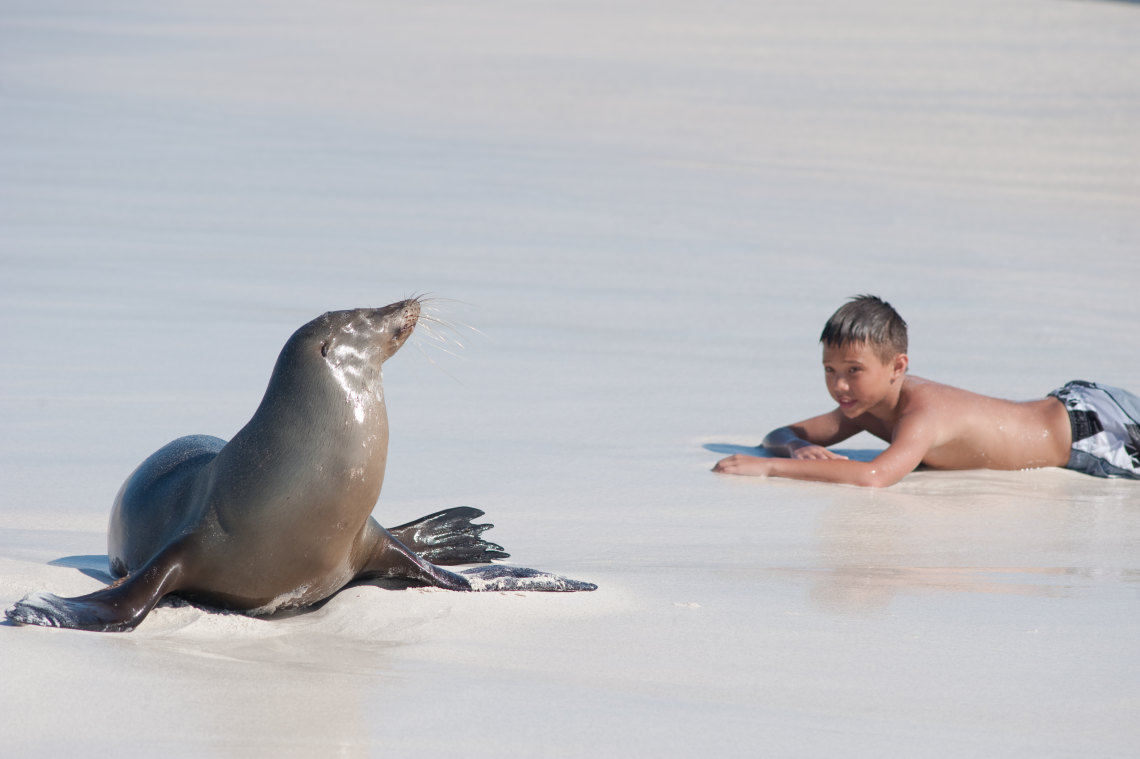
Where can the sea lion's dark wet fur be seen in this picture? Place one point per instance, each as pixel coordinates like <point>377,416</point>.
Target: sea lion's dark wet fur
<point>279,517</point>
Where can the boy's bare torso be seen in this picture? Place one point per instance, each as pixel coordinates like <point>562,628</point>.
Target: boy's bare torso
<point>972,431</point>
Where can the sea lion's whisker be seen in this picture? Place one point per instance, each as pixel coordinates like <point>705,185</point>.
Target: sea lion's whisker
<point>440,348</point>
<point>441,330</point>
<point>436,364</point>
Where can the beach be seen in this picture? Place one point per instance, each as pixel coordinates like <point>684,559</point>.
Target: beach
<point>631,222</point>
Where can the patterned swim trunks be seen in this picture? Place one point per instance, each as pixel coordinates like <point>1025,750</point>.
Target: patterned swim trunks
<point>1106,429</point>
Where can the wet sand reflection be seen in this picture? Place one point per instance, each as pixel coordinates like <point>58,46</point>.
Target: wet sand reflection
<point>1013,534</point>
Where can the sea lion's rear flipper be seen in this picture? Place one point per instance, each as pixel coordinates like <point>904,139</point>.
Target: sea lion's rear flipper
<point>116,608</point>
<point>503,577</point>
<point>449,537</point>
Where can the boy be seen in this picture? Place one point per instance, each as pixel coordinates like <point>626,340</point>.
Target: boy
<point>1083,426</point>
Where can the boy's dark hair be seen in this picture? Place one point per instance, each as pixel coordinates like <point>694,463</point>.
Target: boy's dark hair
<point>867,319</point>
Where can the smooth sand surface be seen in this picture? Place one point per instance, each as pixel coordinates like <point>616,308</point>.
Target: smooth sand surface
<point>641,215</point>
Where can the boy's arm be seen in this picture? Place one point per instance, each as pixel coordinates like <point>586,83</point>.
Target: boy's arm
<point>913,439</point>
<point>809,439</point>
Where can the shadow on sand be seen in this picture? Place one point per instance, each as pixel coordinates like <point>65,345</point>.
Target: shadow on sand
<point>95,566</point>
<point>727,449</point>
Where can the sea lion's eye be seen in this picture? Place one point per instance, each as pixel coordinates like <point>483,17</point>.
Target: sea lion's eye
<point>324,349</point>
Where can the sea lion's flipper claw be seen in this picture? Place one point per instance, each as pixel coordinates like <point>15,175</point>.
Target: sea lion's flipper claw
<point>449,537</point>
<point>504,577</point>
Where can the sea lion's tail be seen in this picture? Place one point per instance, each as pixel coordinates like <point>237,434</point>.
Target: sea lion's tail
<point>449,537</point>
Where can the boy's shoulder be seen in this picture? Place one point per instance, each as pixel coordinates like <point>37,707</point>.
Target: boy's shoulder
<point>925,389</point>
<point>943,405</point>
<point>923,395</point>
<point>930,401</point>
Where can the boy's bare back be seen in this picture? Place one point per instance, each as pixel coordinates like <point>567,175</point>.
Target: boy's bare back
<point>963,430</point>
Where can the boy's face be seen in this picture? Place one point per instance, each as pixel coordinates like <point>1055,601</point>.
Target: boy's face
<point>859,380</point>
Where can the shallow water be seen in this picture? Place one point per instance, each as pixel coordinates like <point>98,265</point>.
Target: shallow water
<point>636,222</point>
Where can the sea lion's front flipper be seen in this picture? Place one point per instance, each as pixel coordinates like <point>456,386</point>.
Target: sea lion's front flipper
<point>384,556</point>
<point>116,608</point>
<point>449,537</point>
<point>388,557</point>
<point>503,577</point>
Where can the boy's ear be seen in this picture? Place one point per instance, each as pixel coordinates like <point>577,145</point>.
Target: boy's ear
<point>899,367</point>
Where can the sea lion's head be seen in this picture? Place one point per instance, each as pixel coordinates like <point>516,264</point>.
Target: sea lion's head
<point>340,353</point>
<point>363,335</point>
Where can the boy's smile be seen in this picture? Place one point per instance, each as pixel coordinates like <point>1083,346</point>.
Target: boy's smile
<point>860,382</point>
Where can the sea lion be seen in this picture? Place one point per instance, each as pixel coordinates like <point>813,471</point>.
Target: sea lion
<point>279,517</point>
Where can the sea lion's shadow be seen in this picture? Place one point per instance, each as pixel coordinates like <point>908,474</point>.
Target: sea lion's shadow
<point>97,567</point>
<point>727,449</point>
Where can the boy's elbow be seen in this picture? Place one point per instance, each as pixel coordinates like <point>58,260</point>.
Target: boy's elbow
<point>773,438</point>
<point>877,478</point>
<point>781,441</point>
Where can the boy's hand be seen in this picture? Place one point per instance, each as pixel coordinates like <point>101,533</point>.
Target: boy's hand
<point>738,463</point>
<point>815,452</point>
<point>757,466</point>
